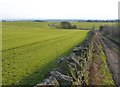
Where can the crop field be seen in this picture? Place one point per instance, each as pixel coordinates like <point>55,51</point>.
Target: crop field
<point>30,50</point>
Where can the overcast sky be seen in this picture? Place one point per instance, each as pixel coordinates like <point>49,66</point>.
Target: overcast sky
<point>59,9</point>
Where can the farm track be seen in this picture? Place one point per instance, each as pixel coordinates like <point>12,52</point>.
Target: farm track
<point>31,47</point>
<point>39,46</point>
<point>22,46</point>
<point>111,51</point>
<point>116,43</point>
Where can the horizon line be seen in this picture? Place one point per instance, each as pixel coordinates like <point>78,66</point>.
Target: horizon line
<point>54,19</point>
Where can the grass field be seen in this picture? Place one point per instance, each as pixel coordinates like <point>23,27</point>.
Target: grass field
<point>30,49</point>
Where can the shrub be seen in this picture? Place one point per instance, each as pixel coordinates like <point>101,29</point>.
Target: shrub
<point>67,25</point>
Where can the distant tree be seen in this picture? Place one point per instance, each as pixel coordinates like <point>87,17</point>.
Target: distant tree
<point>39,21</point>
<point>65,25</point>
<point>74,27</point>
<point>89,21</point>
<point>101,28</point>
<point>3,20</point>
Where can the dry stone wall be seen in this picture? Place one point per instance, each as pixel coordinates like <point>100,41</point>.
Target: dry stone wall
<point>74,69</point>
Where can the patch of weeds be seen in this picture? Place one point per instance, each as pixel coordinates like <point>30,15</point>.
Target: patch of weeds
<point>106,75</point>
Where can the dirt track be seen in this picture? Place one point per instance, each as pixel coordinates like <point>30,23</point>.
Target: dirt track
<point>111,51</point>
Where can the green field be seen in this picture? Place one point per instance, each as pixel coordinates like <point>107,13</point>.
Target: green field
<point>30,49</point>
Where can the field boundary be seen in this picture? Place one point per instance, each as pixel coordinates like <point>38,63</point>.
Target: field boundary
<point>74,69</point>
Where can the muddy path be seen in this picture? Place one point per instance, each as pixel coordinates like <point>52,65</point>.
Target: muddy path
<point>112,51</point>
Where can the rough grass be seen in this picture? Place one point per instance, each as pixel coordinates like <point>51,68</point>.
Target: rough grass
<point>99,72</point>
<point>30,49</point>
<point>107,76</point>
